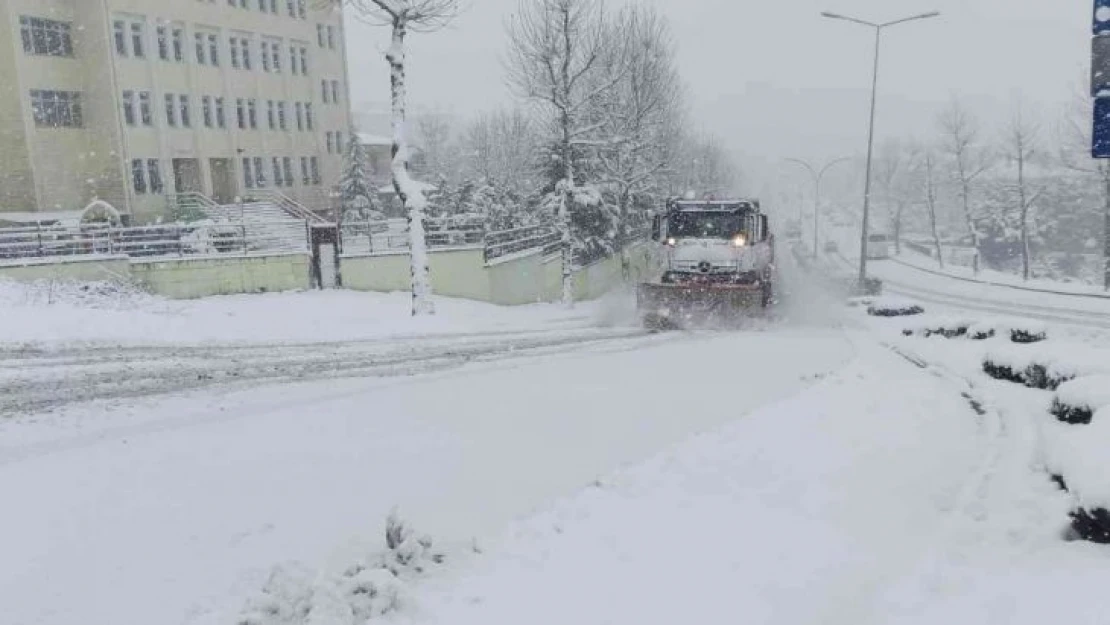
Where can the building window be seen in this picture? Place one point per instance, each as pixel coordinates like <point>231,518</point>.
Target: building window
<point>154,172</point>
<point>321,36</point>
<point>241,113</point>
<point>338,142</point>
<point>273,6</point>
<point>271,114</point>
<point>186,118</point>
<point>221,117</point>
<point>119,36</point>
<point>309,118</point>
<point>171,111</point>
<point>248,175</point>
<point>292,6</point>
<point>163,43</point>
<point>245,48</point>
<point>305,178</point>
<point>302,9</point>
<point>287,167</point>
<point>146,109</point>
<point>202,58</point>
<point>275,56</point>
<point>206,110</point>
<point>331,37</point>
<point>214,50</point>
<point>252,113</point>
<point>335,92</point>
<point>279,181</point>
<point>129,108</point>
<point>324,91</point>
<point>300,115</point>
<point>138,176</point>
<point>178,45</point>
<point>137,37</point>
<point>315,164</point>
<point>46,37</point>
<point>266,56</point>
<point>56,109</point>
<point>259,173</point>
<point>304,61</point>
<point>329,139</point>
<point>282,121</point>
<point>293,60</point>
<point>234,49</point>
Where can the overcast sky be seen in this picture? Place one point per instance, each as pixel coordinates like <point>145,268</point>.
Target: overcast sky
<point>774,79</point>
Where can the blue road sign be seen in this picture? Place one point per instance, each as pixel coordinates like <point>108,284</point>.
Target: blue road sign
<point>1101,17</point>
<point>1101,22</point>
<point>1100,147</point>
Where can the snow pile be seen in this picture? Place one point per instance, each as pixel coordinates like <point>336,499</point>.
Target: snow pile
<point>1078,454</point>
<point>893,307</point>
<point>368,588</point>
<point>1045,366</point>
<point>1076,401</point>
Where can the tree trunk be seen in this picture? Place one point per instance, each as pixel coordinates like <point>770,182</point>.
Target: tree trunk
<point>931,204</point>
<point>412,199</point>
<point>565,203</point>
<point>898,228</point>
<point>972,231</point>
<point>1024,216</point>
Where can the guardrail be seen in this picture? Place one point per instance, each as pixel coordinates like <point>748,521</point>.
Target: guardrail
<point>152,241</point>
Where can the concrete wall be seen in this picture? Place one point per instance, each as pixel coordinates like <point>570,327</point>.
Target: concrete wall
<point>83,269</point>
<point>455,273</point>
<point>188,278</point>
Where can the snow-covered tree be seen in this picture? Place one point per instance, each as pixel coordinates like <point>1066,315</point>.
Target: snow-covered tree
<point>1020,145</point>
<point>1075,154</point>
<point>404,16</point>
<point>356,193</point>
<point>557,49</point>
<point>929,189</point>
<point>968,161</point>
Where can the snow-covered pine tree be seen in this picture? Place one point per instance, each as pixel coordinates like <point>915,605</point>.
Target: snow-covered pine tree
<point>356,194</point>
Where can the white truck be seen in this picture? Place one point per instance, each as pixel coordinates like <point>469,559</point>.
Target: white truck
<point>716,259</point>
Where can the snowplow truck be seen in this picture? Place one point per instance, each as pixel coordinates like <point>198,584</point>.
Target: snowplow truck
<point>714,262</point>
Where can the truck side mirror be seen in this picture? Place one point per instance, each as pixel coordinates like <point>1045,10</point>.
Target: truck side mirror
<point>764,229</point>
<point>656,228</point>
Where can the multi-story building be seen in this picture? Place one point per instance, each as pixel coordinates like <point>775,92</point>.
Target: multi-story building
<point>130,101</point>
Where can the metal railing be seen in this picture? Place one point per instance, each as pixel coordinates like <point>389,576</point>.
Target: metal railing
<point>506,242</point>
<point>58,242</point>
<point>293,208</point>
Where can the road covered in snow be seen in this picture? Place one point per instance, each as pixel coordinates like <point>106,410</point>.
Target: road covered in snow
<point>813,467</point>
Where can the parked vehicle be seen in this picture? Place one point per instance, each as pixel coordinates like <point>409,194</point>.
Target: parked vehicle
<point>878,246</point>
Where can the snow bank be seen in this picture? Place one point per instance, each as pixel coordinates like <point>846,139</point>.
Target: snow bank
<point>893,307</point>
<point>1078,453</point>
<point>1045,366</point>
<point>50,313</point>
<point>1076,401</point>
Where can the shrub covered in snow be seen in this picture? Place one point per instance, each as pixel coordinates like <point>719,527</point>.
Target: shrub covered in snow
<point>1045,366</point>
<point>369,588</point>
<point>893,307</point>
<point>1076,401</point>
<point>1078,454</point>
<point>947,327</point>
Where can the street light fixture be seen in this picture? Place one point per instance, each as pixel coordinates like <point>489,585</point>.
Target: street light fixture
<point>871,129</point>
<point>818,175</point>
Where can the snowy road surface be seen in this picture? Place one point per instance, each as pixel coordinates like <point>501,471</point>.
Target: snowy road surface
<point>174,509</point>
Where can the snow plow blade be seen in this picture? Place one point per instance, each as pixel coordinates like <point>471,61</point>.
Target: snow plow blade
<point>667,306</point>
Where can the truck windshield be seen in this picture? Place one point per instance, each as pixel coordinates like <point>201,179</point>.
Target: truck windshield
<point>696,225</point>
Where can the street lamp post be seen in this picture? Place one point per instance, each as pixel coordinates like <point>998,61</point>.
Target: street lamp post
<point>871,128</point>
<point>818,176</point>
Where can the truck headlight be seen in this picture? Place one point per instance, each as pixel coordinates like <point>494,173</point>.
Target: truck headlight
<point>739,241</point>
<point>671,241</point>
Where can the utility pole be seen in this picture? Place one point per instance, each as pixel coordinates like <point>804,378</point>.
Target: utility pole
<point>817,175</point>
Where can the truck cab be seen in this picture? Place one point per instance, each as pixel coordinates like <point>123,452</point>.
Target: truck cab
<point>713,242</point>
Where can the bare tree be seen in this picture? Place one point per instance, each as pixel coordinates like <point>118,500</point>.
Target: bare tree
<point>1075,154</point>
<point>403,16</point>
<point>897,174</point>
<point>641,111</point>
<point>556,51</point>
<point>929,186</point>
<point>435,141</point>
<point>1021,138</point>
<point>961,143</point>
<point>500,147</point>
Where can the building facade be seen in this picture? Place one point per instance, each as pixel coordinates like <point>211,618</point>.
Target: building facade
<point>131,101</point>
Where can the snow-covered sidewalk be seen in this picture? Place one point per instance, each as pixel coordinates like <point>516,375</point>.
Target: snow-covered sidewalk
<point>869,499</point>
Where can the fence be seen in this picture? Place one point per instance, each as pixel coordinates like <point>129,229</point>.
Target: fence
<point>152,241</point>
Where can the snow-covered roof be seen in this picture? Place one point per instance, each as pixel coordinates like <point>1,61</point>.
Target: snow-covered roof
<point>366,138</point>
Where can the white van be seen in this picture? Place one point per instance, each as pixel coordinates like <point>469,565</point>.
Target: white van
<point>878,246</point>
